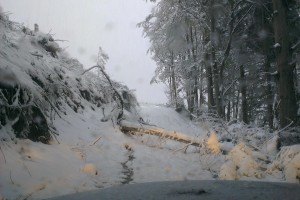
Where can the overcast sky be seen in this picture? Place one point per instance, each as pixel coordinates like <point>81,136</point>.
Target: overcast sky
<point>87,25</point>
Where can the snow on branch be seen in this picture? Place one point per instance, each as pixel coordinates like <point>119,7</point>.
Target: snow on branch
<point>102,59</point>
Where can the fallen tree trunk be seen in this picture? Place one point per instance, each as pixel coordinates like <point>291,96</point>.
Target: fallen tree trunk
<point>133,129</point>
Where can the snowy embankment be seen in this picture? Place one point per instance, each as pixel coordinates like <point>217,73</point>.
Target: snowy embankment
<point>82,147</point>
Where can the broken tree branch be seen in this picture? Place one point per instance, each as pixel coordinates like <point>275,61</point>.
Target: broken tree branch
<point>12,182</point>
<point>162,134</point>
<point>184,147</point>
<point>37,55</point>
<point>121,105</point>
<point>290,124</point>
<point>96,141</point>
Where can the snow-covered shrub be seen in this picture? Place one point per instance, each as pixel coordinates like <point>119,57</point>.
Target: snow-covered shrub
<point>4,19</point>
<point>235,132</point>
<point>35,88</point>
<point>19,108</point>
<point>26,119</point>
<point>292,170</point>
<point>228,171</point>
<point>213,144</point>
<point>289,137</point>
<point>27,31</point>
<point>287,161</point>
<point>52,47</point>
<point>129,99</point>
<point>211,163</point>
<point>270,146</point>
<point>47,43</point>
<point>3,16</point>
<point>240,163</point>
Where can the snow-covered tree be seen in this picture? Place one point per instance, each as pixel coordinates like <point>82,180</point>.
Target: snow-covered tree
<point>222,54</point>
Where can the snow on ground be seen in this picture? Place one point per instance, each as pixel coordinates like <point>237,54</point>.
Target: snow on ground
<point>57,169</point>
<point>81,162</point>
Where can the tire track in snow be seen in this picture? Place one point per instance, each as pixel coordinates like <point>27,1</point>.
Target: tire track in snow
<point>127,169</point>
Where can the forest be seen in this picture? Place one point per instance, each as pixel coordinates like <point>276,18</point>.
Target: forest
<point>234,60</point>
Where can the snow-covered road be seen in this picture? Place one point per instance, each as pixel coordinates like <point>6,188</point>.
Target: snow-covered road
<point>38,171</point>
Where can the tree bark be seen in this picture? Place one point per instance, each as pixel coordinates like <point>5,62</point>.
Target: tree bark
<point>228,111</point>
<point>236,109</point>
<point>161,133</point>
<point>195,68</point>
<point>210,92</point>
<point>262,18</point>
<point>201,91</point>
<point>215,69</point>
<point>287,97</point>
<point>244,95</point>
<point>269,94</point>
<point>173,82</point>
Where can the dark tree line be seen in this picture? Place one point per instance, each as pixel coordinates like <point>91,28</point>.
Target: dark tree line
<point>238,58</point>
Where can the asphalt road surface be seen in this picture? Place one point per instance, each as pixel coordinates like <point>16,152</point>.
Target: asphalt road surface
<point>190,190</point>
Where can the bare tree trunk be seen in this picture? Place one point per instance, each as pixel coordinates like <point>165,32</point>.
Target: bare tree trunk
<point>195,68</point>
<point>215,69</point>
<point>228,111</point>
<point>210,92</point>
<point>173,81</point>
<point>170,89</point>
<point>202,98</point>
<point>233,109</point>
<point>287,98</point>
<point>209,81</point>
<point>269,94</point>
<point>237,105</point>
<point>244,95</point>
